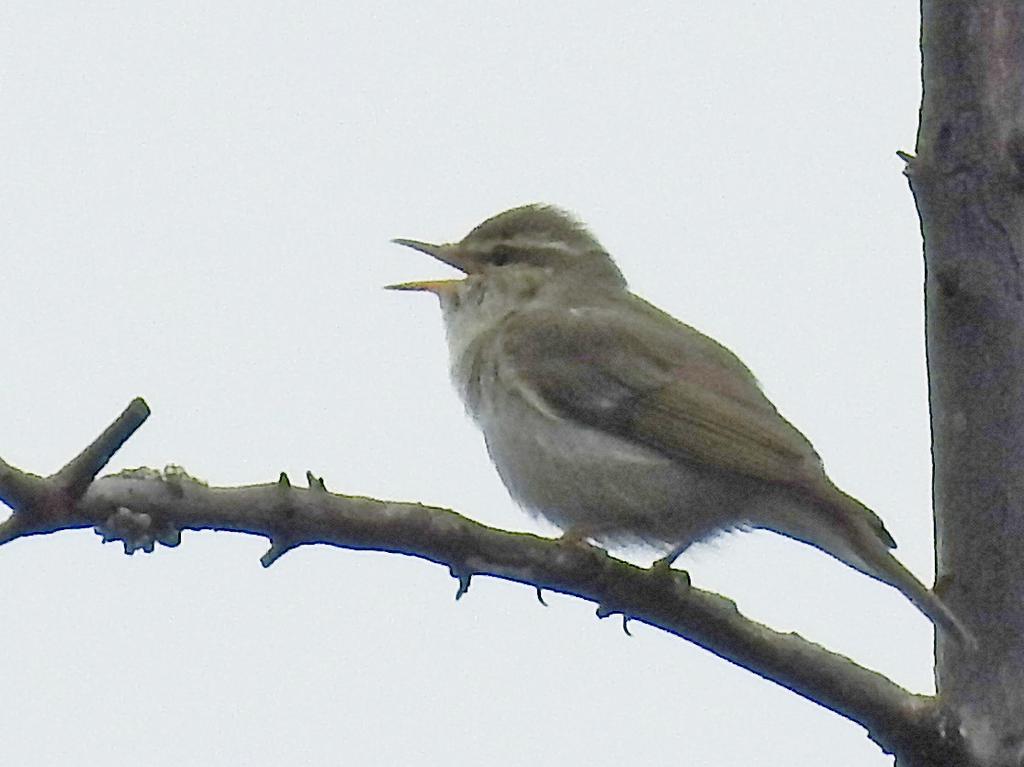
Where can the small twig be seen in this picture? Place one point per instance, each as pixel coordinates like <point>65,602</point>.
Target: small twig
<point>464,578</point>
<point>42,505</point>
<point>278,548</point>
<point>77,473</point>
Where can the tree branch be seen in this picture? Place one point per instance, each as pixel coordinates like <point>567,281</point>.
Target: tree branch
<point>142,507</point>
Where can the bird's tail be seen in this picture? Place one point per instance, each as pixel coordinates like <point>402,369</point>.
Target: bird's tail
<point>854,534</point>
<point>892,571</point>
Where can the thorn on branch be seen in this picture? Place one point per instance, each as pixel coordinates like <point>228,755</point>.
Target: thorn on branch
<point>283,482</point>
<point>625,625</point>
<point>911,163</point>
<point>540,596</point>
<point>464,579</point>
<point>316,484</point>
<point>279,546</point>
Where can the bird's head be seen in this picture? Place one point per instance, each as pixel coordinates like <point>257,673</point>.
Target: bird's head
<point>531,244</point>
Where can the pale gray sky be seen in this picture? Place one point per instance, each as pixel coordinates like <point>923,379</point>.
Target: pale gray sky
<point>195,207</point>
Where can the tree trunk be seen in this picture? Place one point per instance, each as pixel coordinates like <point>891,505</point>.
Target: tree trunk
<point>967,182</point>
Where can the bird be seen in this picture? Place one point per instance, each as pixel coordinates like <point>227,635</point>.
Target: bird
<point>619,423</point>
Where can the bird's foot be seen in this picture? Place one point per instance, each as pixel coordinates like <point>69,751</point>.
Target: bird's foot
<point>575,535</point>
<point>663,567</point>
<point>576,540</point>
<point>665,563</point>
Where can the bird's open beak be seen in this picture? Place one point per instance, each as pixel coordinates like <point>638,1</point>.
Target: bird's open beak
<point>437,287</point>
<point>447,253</point>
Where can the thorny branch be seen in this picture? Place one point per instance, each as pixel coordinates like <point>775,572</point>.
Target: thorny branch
<point>142,507</point>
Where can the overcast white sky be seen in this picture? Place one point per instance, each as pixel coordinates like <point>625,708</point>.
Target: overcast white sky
<point>195,207</point>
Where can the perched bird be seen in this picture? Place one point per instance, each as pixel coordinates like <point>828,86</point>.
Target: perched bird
<point>619,423</point>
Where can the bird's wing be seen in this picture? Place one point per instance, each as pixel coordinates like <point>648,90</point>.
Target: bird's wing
<point>644,376</point>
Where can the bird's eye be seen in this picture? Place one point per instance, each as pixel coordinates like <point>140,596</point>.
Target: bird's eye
<point>501,255</point>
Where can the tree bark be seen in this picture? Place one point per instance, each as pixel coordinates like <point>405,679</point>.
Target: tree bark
<point>967,183</point>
